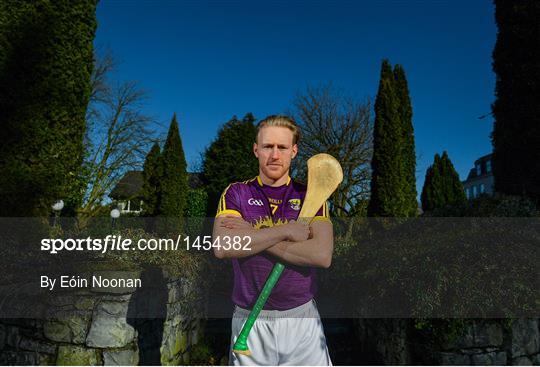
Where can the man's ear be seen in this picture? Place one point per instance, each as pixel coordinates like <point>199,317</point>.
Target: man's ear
<point>255,150</point>
<point>294,150</point>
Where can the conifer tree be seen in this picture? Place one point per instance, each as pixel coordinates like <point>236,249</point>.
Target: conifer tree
<point>431,196</point>
<point>386,192</point>
<point>455,192</point>
<point>442,186</point>
<point>408,153</point>
<point>393,176</point>
<point>426,197</point>
<point>174,183</point>
<point>516,133</point>
<point>152,176</point>
<point>46,61</point>
<point>230,158</point>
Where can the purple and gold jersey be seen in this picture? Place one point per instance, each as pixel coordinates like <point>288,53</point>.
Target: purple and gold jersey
<point>266,206</point>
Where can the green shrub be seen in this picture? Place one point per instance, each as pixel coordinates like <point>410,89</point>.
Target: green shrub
<point>489,206</point>
<point>436,267</point>
<point>201,355</point>
<point>195,213</point>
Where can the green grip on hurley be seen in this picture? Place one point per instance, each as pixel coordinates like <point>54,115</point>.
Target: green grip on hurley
<point>240,346</point>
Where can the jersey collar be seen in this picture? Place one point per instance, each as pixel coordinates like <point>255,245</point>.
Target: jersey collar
<point>261,183</point>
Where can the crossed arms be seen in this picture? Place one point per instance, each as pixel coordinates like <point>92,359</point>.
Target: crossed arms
<point>295,242</point>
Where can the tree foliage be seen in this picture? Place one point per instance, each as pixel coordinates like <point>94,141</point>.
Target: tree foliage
<point>197,203</point>
<point>229,158</point>
<point>196,209</point>
<point>174,182</point>
<point>442,186</point>
<point>342,127</point>
<point>393,183</point>
<point>408,152</point>
<point>516,133</point>
<point>46,50</point>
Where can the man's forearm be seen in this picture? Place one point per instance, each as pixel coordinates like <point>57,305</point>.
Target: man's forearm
<point>259,240</point>
<point>305,253</point>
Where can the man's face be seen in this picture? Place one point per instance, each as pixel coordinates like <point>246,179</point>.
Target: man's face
<point>275,151</point>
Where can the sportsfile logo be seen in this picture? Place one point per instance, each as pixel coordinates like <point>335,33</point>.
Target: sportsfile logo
<point>252,201</point>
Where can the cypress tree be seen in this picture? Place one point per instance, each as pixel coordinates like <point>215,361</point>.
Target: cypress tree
<point>426,197</point>
<point>408,152</point>
<point>387,196</point>
<point>455,194</point>
<point>174,183</point>
<point>152,176</point>
<point>442,186</point>
<point>438,183</point>
<point>229,158</point>
<point>516,133</point>
<point>432,193</point>
<point>46,60</point>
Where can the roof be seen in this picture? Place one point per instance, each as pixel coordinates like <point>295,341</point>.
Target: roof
<point>130,185</point>
<point>480,161</point>
<point>484,158</point>
<point>472,174</point>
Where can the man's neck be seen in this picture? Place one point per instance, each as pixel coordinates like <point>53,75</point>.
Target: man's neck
<point>274,183</point>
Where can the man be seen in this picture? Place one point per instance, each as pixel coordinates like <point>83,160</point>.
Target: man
<point>288,330</point>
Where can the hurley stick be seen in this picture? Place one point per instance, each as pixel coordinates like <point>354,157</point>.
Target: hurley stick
<point>324,176</point>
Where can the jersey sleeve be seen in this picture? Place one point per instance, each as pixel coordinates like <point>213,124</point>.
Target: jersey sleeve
<point>323,214</point>
<point>229,202</point>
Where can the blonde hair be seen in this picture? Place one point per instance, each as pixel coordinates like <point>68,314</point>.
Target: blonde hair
<point>281,121</point>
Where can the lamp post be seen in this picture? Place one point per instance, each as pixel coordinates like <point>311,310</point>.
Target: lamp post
<point>115,214</point>
<point>57,208</point>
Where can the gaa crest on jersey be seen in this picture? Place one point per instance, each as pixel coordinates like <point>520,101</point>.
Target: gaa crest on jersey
<point>295,204</point>
<point>256,202</point>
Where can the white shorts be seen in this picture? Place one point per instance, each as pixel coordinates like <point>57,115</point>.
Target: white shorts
<point>281,338</point>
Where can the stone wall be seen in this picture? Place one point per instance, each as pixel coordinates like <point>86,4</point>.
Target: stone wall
<point>493,343</point>
<point>384,341</point>
<point>105,326</point>
<point>483,342</point>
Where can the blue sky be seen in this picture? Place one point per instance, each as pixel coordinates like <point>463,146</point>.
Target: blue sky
<point>210,60</point>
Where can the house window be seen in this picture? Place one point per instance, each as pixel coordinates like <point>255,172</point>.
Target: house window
<point>482,188</point>
<point>488,166</point>
<point>478,169</point>
<point>474,193</point>
<point>468,193</point>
